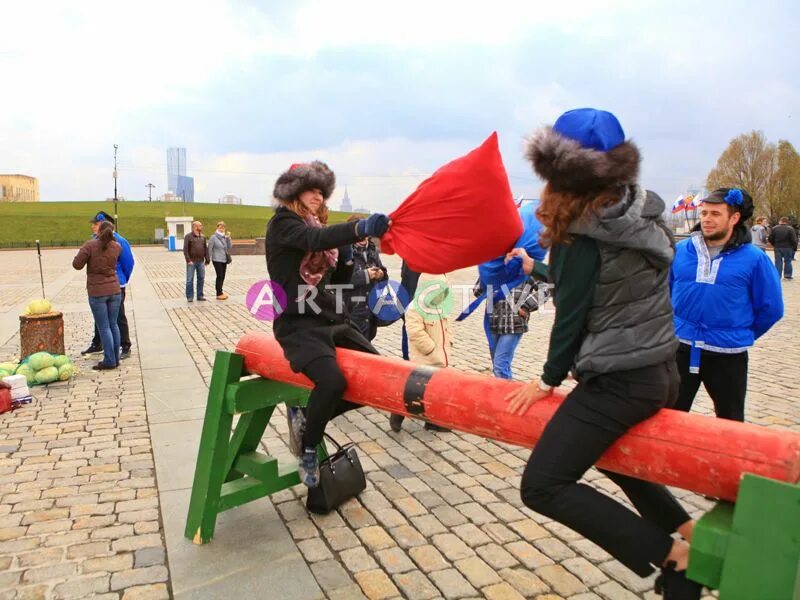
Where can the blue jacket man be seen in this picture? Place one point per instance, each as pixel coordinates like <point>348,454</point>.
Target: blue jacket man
<point>125,265</point>
<point>725,295</point>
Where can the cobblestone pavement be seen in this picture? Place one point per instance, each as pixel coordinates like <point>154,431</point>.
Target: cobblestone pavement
<point>441,516</point>
<point>79,507</point>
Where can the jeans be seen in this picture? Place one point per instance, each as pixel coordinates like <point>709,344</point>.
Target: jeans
<point>221,268</point>
<point>592,417</point>
<point>724,377</point>
<point>124,329</point>
<point>105,310</point>
<point>783,261</point>
<point>502,349</point>
<point>200,268</point>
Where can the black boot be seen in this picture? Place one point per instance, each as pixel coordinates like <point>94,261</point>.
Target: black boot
<point>434,427</point>
<point>674,585</point>
<point>92,349</point>
<point>396,422</point>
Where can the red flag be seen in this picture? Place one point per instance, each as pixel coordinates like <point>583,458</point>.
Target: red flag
<point>462,215</point>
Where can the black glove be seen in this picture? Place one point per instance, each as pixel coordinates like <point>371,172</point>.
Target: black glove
<point>374,226</point>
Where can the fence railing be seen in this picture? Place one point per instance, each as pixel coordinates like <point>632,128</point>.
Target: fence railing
<point>73,243</point>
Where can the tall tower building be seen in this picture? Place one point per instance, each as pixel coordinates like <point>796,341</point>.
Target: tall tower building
<point>176,166</point>
<point>346,205</point>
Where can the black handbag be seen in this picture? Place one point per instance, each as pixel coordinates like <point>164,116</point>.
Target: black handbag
<point>340,478</point>
<point>228,258</point>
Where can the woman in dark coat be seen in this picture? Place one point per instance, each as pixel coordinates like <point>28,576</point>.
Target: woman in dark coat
<point>307,258</point>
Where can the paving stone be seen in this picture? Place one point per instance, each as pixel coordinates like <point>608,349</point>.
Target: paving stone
<point>314,550</point>
<point>44,556</point>
<point>147,592</point>
<point>136,542</point>
<point>147,557</point>
<point>529,556</point>
<point>452,547</point>
<point>561,580</point>
<point>116,562</point>
<point>83,586</point>
<point>612,590</point>
<point>341,538</point>
<point>525,582</point>
<point>51,572</point>
<point>428,525</point>
<point>415,586</point>
<point>302,529</point>
<point>357,560</point>
<point>376,585</point>
<point>585,571</point>
<point>452,584</point>
<point>449,516</point>
<point>357,516</point>
<point>389,517</point>
<point>132,577</point>
<point>625,576</point>
<point>330,575</point>
<point>394,560</point>
<point>496,556</point>
<point>428,558</point>
<point>375,538</point>
<point>477,572</point>
<point>471,535</point>
<point>410,507</point>
<point>501,591</point>
<point>529,530</point>
<point>407,537</point>
<point>554,548</point>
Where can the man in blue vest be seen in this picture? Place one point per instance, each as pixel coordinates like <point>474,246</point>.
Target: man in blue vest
<point>725,294</point>
<point>124,271</point>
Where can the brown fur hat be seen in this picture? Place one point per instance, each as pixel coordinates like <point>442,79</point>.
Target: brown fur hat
<point>302,177</point>
<point>567,166</point>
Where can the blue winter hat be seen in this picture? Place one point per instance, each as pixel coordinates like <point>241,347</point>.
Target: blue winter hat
<point>591,128</point>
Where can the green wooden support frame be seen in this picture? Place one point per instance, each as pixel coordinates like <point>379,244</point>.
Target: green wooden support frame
<point>751,549</point>
<point>230,471</point>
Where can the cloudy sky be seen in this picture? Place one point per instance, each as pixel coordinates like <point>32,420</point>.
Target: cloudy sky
<point>384,92</point>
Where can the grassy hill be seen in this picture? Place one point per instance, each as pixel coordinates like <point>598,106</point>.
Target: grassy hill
<point>67,223</point>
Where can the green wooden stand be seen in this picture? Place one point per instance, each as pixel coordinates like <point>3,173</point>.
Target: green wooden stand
<point>230,472</point>
<point>751,549</point>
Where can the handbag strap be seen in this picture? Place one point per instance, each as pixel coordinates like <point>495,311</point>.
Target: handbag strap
<point>339,447</point>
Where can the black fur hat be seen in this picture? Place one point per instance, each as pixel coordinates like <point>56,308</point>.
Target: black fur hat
<point>570,167</point>
<point>304,176</point>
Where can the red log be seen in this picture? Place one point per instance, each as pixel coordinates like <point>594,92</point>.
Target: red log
<point>694,452</point>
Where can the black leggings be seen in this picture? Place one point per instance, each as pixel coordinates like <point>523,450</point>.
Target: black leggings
<point>724,377</point>
<point>220,268</point>
<point>325,400</point>
<point>593,416</point>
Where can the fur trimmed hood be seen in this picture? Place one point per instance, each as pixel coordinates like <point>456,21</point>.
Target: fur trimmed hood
<point>569,167</point>
<point>302,177</point>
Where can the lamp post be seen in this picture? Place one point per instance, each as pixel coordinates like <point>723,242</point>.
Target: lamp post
<point>116,218</point>
<point>150,187</point>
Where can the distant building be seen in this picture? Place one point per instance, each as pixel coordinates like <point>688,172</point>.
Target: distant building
<point>169,197</point>
<point>346,205</point>
<point>19,188</point>
<point>361,211</point>
<point>176,167</point>
<point>230,199</point>
<point>185,189</point>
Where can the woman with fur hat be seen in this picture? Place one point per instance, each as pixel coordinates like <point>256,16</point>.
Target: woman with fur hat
<point>610,256</point>
<point>308,258</point>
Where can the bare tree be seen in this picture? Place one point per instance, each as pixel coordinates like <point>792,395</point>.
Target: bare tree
<point>787,192</point>
<point>749,162</point>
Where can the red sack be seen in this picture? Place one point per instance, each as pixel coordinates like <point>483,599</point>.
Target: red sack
<point>460,216</point>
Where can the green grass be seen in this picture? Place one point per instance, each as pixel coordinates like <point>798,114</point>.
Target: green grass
<point>67,223</point>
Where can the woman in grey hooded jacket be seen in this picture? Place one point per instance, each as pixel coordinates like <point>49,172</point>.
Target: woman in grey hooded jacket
<point>219,248</point>
<point>610,255</point>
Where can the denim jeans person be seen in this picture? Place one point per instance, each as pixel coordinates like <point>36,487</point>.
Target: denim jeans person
<point>105,310</point>
<point>191,268</point>
<point>783,262</point>
<point>503,348</point>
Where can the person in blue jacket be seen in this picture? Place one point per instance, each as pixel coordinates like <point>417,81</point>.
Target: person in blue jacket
<point>725,296</point>
<point>124,272</point>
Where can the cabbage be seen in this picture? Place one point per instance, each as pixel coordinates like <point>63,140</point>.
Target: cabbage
<point>46,375</point>
<point>4,373</point>
<point>60,360</point>
<point>8,366</point>
<point>66,371</point>
<point>38,307</point>
<point>28,372</point>
<point>41,360</point>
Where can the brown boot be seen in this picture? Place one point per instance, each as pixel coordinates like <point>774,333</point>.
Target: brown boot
<point>223,296</point>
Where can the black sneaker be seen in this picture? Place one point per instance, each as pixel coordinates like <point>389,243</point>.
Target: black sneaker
<point>435,427</point>
<point>674,585</point>
<point>125,353</point>
<point>92,349</point>
<point>396,422</point>
<point>203,299</point>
